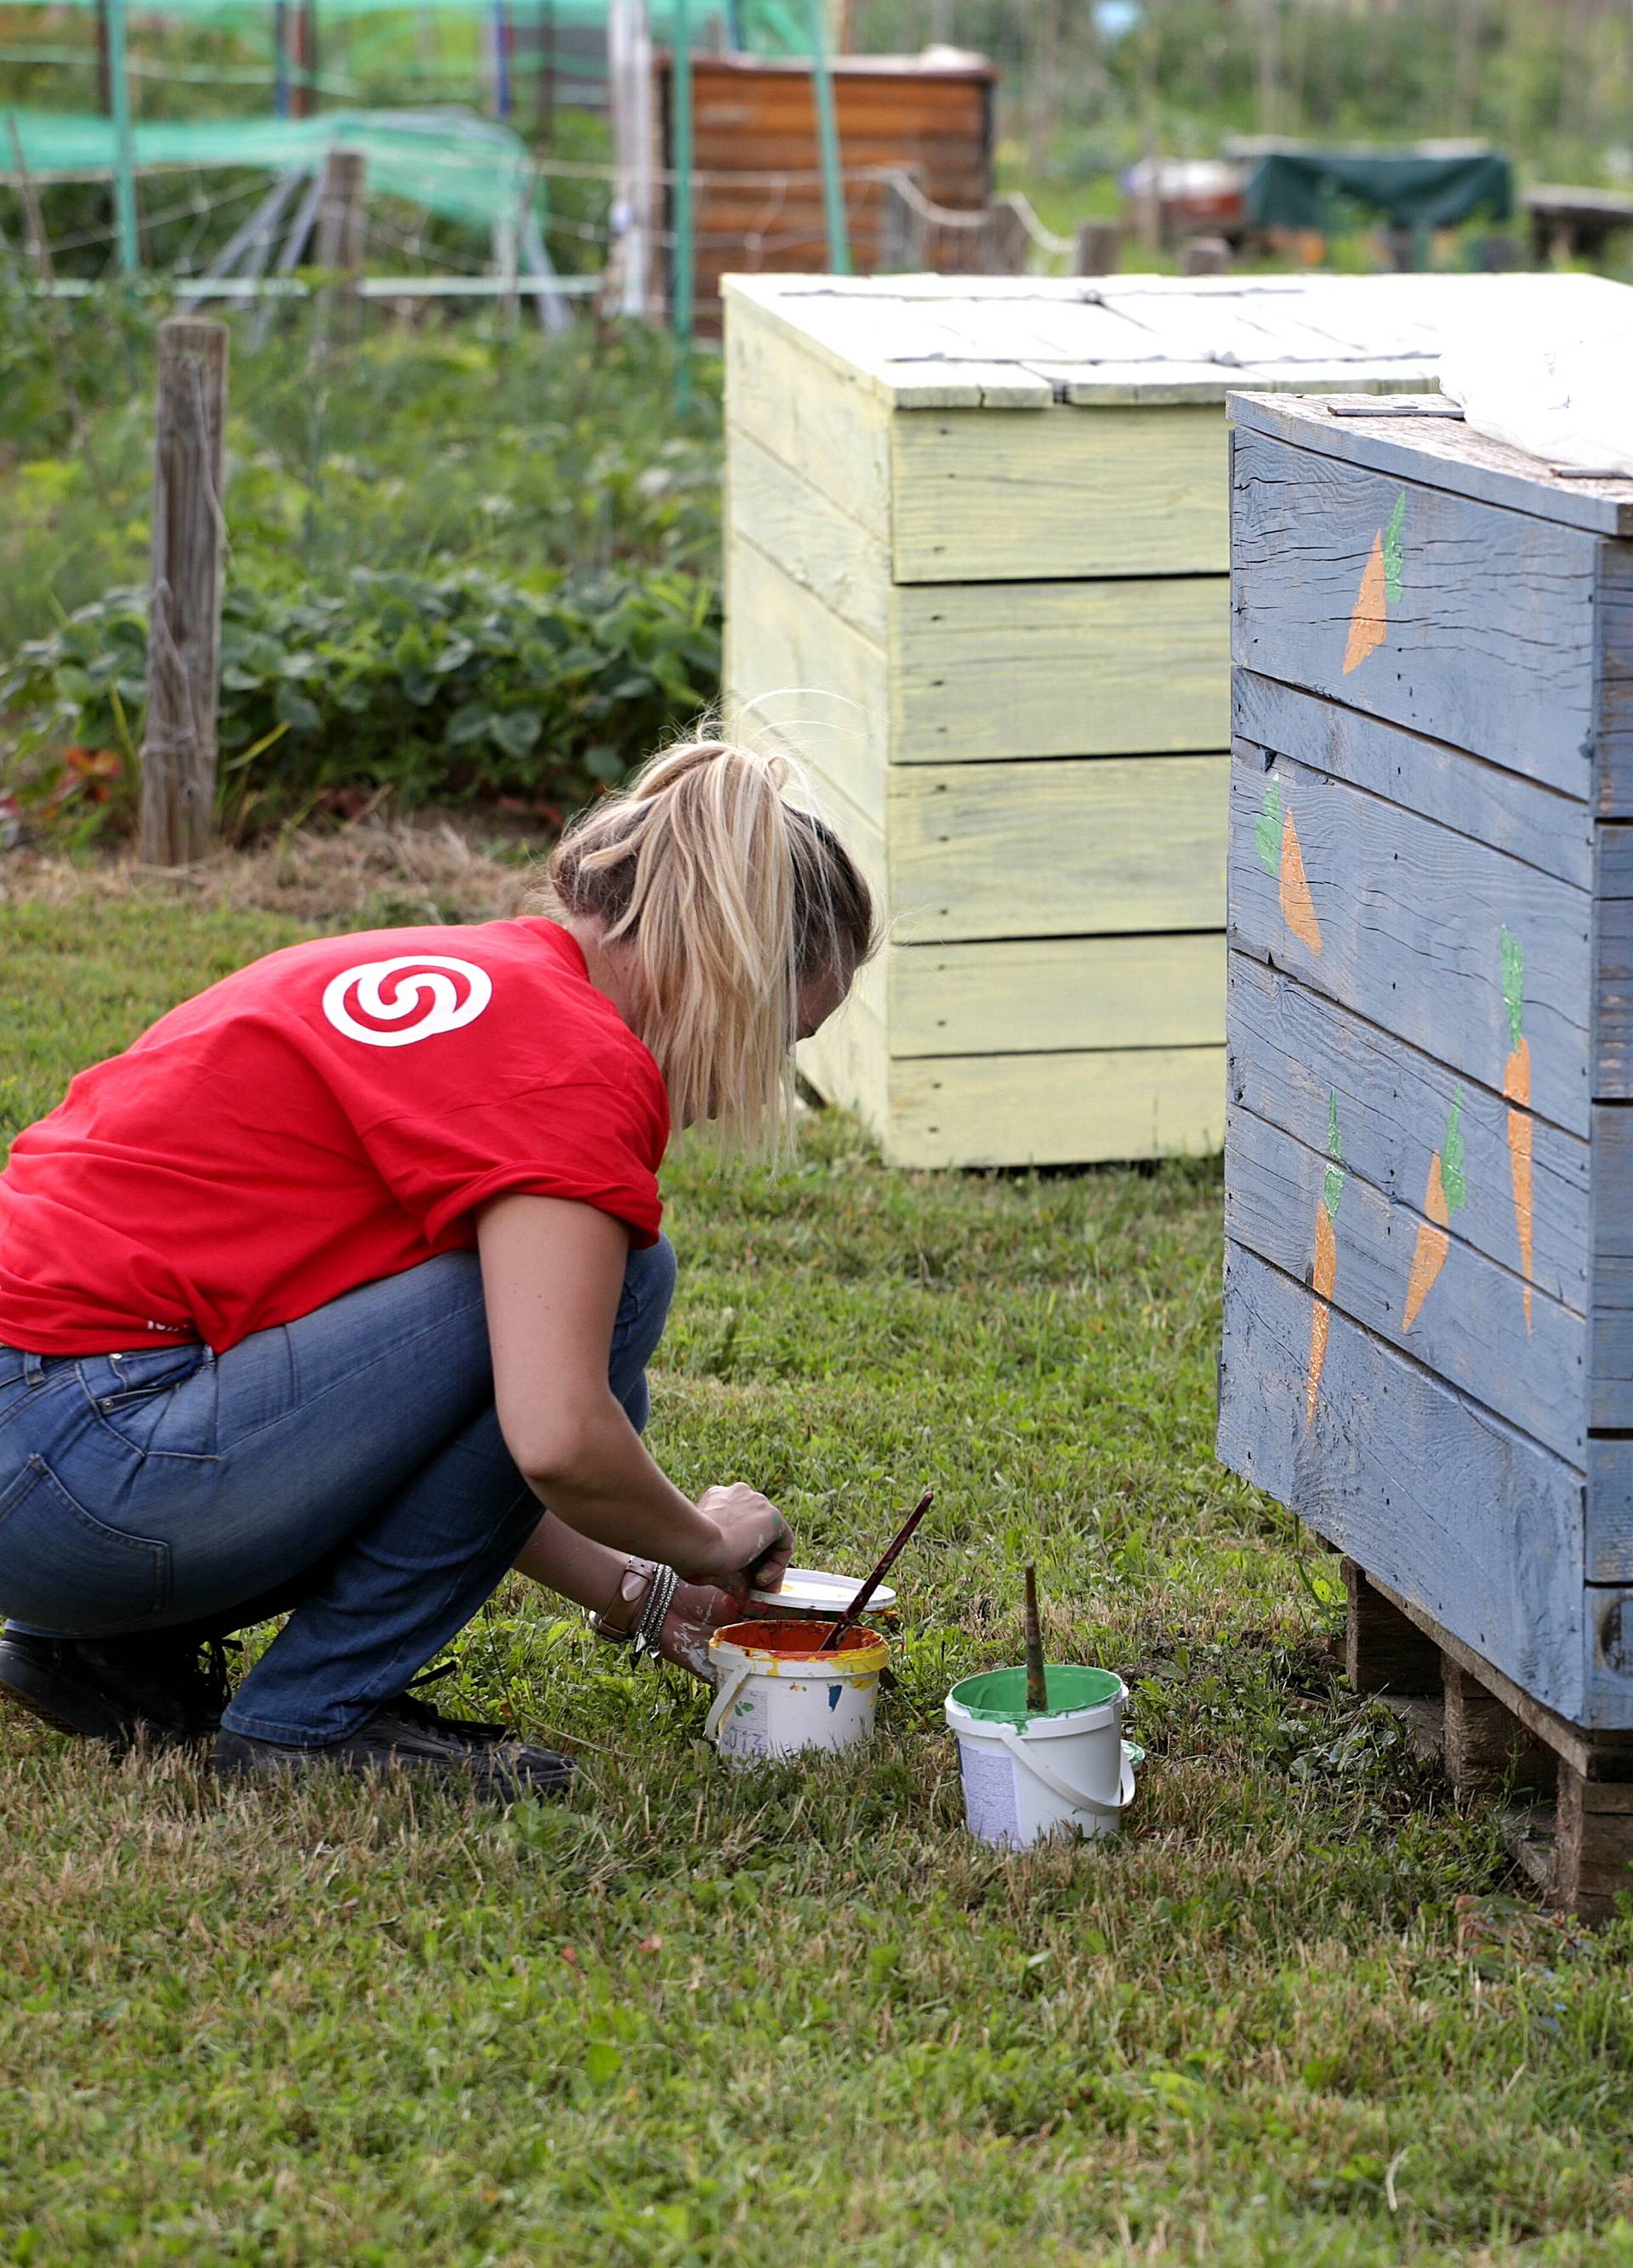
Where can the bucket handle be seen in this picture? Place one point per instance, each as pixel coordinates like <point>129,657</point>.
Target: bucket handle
<point>730,1685</point>
<point>1027,1754</point>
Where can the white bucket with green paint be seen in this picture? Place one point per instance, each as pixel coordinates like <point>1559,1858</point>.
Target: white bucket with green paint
<point>1030,1773</point>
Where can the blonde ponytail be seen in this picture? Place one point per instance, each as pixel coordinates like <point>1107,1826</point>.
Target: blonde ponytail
<point>727,899</point>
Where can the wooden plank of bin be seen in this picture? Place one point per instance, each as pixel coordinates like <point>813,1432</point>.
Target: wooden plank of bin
<point>1375,872</point>
<point>812,538</point>
<point>1501,660</point>
<point>979,494</point>
<point>973,672</point>
<point>1423,450</point>
<point>1534,823</point>
<point>1081,835</point>
<point>831,426</point>
<point>1057,1110</point>
<point>823,684</point>
<point>966,1108</point>
<point>1472,1331</point>
<point>1032,995</point>
<point>1442,1503</point>
<point>1071,670</point>
<point>1608,1548</point>
<point>948,382</point>
<point>1294,1056</point>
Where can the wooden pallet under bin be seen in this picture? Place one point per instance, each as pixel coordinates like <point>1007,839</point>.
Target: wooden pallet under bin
<point>1570,1824</point>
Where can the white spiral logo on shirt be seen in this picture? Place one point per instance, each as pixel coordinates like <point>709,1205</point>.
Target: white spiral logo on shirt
<point>418,995</point>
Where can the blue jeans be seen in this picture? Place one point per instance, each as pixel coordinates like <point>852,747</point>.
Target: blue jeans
<point>350,1461</point>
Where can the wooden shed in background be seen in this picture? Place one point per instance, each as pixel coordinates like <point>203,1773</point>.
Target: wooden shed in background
<point>1429,1175</point>
<point>976,575</point>
<point>758,192</point>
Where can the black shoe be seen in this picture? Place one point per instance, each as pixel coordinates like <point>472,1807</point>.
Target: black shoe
<point>430,1717</point>
<point>118,1689</point>
<point>390,1741</point>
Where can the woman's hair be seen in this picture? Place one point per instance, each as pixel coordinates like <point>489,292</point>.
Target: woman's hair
<point>727,899</point>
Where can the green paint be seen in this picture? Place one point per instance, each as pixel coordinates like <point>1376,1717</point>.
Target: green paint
<point>998,1697</point>
<point>1392,549</point>
<point>1268,831</point>
<point>1333,1182</point>
<point>1513,984</point>
<point>1452,1176</point>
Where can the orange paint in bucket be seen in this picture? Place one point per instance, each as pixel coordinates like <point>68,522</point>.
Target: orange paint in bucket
<point>778,1694</point>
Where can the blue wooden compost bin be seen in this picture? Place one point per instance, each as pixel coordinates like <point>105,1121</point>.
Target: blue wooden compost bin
<point>1429,1168</point>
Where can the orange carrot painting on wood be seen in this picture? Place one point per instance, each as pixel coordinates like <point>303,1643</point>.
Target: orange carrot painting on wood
<point>1448,1191</point>
<point>1381,581</point>
<point>1517,1093</point>
<point>1325,1272</point>
<point>1280,852</point>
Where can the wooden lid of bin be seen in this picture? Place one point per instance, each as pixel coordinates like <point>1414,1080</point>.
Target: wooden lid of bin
<point>1425,440</point>
<point>1034,342</point>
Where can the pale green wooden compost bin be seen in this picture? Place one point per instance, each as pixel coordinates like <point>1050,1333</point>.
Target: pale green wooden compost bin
<point>976,578</point>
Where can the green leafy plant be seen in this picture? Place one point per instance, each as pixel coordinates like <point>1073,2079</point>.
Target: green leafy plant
<point>431,689</point>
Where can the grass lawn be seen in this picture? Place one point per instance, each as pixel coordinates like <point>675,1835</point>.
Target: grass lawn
<point>1294,2014</point>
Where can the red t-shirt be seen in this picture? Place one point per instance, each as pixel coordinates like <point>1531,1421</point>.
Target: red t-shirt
<point>335,1113</point>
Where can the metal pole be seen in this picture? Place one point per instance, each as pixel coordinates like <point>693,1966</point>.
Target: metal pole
<point>501,60</point>
<point>827,138</point>
<point>681,255</point>
<point>280,58</point>
<point>103,94</point>
<point>124,152</point>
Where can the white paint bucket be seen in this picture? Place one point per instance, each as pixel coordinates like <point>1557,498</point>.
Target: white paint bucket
<point>1026,1775</point>
<point>776,1695</point>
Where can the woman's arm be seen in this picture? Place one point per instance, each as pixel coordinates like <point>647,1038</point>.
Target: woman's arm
<point>552,1275</point>
<point>592,1576</point>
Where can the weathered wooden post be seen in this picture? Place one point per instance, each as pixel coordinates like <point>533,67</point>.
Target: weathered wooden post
<point>338,242</point>
<point>184,595</point>
<point>1097,248</point>
<point>1206,255</point>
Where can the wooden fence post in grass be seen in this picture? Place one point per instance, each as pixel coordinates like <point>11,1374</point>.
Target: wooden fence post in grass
<point>184,595</point>
<point>340,237</point>
<point>1097,248</point>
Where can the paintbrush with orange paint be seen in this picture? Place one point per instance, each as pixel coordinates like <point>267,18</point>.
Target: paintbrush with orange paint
<point>858,1604</point>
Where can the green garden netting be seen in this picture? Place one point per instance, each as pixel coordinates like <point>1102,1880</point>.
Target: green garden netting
<point>467,168</point>
<point>761,27</point>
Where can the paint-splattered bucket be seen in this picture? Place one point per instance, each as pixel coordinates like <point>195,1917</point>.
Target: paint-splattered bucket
<point>1028,1775</point>
<point>776,1693</point>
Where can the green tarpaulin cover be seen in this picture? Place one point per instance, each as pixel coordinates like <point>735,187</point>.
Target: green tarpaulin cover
<point>1301,188</point>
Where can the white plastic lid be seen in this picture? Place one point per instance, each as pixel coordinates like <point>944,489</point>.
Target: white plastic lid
<point>808,1591</point>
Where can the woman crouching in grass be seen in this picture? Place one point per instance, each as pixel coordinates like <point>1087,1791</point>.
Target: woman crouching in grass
<point>311,1298</point>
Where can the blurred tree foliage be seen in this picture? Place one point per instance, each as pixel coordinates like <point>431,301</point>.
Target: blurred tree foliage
<point>1550,80</point>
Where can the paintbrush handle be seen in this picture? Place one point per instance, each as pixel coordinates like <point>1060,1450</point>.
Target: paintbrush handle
<point>1037,1677</point>
<point>858,1604</point>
